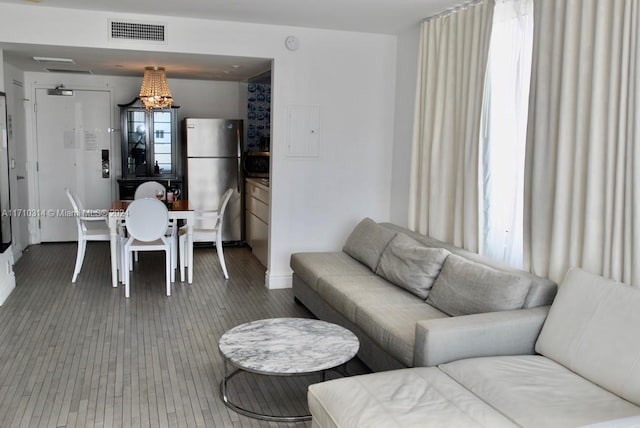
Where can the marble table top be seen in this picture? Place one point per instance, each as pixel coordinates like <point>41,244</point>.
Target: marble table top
<point>284,346</point>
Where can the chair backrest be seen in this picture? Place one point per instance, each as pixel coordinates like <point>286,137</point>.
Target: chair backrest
<point>212,220</point>
<point>77,209</point>
<point>148,189</point>
<point>222,206</point>
<point>147,219</point>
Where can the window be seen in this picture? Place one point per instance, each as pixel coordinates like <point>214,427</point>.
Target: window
<point>503,131</point>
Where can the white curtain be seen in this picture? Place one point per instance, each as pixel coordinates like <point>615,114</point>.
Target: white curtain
<point>504,130</point>
<point>582,185</point>
<point>444,197</point>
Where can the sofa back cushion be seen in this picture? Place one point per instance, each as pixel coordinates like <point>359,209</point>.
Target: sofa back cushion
<point>464,287</point>
<point>367,242</point>
<point>410,265</point>
<point>593,329</point>
<point>541,291</point>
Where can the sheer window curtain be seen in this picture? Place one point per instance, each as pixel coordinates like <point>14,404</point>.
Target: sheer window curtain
<point>504,129</point>
<point>582,185</point>
<point>444,193</point>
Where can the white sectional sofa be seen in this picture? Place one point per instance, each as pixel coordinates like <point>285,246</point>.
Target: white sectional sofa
<point>586,373</point>
<point>416,301</point>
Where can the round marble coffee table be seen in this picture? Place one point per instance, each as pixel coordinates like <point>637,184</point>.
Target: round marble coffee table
<point>284,347</point>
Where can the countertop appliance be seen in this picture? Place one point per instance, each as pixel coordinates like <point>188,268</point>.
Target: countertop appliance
<point>256,164</point>
<point>213,149</point>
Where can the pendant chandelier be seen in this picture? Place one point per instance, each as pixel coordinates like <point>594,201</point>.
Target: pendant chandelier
<point>155,92</point>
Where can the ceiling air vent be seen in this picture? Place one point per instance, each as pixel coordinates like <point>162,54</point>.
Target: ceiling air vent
<point>137,31</point>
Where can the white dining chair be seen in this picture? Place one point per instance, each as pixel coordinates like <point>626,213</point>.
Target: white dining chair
<point>203,234</point>
<point>151,189</point>
<point>147,221</point>
<point>90,228</point>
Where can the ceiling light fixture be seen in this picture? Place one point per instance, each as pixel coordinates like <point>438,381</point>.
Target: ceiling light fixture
<point>155,92</point>
<point>46,59</point>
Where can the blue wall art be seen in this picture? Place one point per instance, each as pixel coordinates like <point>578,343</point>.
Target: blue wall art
<point>258,114</point>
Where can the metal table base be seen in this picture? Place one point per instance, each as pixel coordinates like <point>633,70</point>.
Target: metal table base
<point>342,369</point>
<point>250,413</point>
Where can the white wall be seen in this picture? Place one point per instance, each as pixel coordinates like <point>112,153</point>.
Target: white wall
<point>199,98</point>
<point>7,278</point>
<point>350,76</point>
<point>196,98</point>
<point>18,154</point>
<point>2,71</point>
<point>407,66</point>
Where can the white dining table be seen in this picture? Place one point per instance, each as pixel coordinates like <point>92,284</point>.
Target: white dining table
<point>178,210</point>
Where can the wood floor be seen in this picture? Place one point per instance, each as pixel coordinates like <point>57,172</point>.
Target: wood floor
<point>78,355</point>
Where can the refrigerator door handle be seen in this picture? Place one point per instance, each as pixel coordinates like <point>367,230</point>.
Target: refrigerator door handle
<point>239,148</point>
<point>239,139</point>
<point>238,178</point>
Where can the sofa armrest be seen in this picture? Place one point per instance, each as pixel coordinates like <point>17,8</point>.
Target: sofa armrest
<point>443,340</point>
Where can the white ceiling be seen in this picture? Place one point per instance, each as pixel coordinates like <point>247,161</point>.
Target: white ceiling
<point>374,16</point>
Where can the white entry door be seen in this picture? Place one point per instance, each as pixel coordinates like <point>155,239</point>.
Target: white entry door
<point>18,170</point>
<point>72,132</point>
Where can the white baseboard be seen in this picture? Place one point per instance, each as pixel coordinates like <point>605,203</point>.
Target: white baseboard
<point>278,281</point>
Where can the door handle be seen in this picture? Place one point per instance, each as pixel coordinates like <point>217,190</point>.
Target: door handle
<point>20,177</point>
<point>105,169</point>
<point>105,164</point>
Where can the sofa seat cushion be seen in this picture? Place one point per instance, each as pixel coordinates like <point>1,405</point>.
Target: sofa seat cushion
<point>310,267</point>
<point>393,326</point>
<point>346,293</point>
<point>419,397</point>
<point>535,391</point>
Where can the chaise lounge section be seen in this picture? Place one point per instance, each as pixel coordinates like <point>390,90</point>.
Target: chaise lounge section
<point>586,373</point>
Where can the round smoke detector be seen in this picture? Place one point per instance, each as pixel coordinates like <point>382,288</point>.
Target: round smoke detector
<point>292,43</point>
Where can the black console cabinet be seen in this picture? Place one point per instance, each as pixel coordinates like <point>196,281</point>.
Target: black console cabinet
<point>127,186</point>
<point>150,141</point>
<point>150,147</point>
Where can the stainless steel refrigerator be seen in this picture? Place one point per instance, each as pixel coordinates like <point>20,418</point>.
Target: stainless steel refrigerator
<point>214,148</point>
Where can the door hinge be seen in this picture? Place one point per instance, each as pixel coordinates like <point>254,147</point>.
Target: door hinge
<point>37,166</point>
<point>39,224</point>
<point>35,107</point>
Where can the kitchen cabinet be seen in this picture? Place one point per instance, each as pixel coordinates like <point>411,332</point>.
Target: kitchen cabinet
<point>257,217</point>
<point>149,142</point>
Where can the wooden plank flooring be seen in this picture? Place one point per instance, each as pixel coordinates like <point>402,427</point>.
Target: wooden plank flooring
<point>78,355</point>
